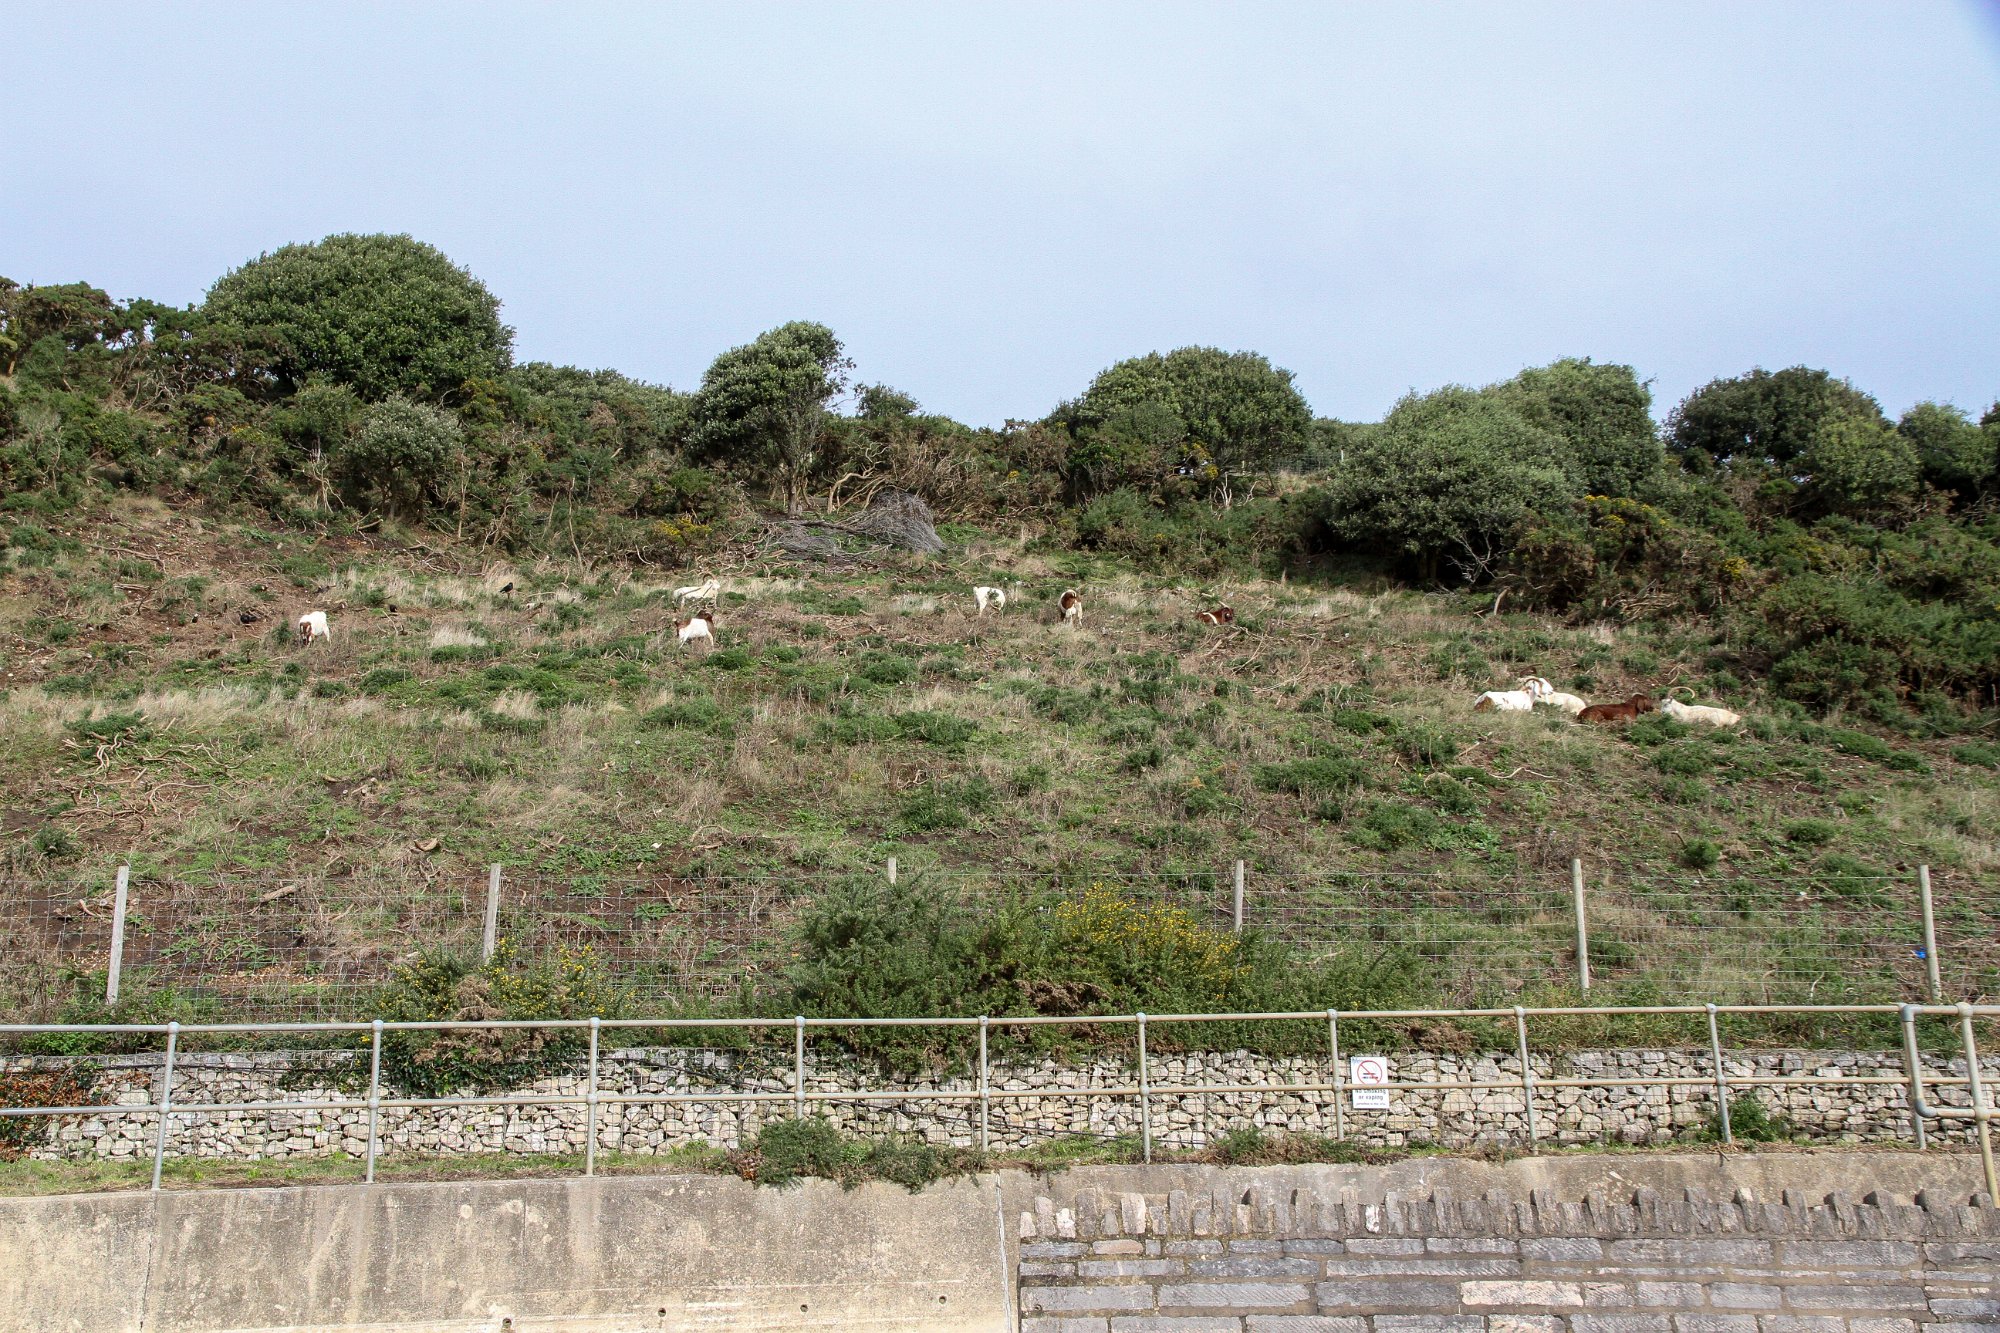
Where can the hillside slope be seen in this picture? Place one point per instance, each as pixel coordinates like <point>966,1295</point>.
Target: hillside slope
<point>298,818</point>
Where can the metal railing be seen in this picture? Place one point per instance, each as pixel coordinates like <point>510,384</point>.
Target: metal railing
<point>312,946</point>
<point>1914,1078</point>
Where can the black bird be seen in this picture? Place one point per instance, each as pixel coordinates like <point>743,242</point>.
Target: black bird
<point>507,590</point>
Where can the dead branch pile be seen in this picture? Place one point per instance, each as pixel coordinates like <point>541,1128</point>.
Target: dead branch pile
<point>893,518</point>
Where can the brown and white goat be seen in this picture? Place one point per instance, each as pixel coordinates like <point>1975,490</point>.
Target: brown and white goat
<point>700,625</point>
<point>312,625</point>
<point>1624,712</point>
<point>1071,606</point>
<point>1221,615</point>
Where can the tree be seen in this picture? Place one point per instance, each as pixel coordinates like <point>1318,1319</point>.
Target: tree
<point>401,455</point>
<point>1956,454</point>
<point>1763,417</point>
<point>1858,467</point>
<point>385,314</point>
<point>1450,475</point>
<point>1237,412</point>
<point>1603,413</point>
<point>76,314</point>
<point>764,405</point>
<point>879,402</point>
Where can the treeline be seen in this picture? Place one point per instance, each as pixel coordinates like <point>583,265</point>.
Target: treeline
<point>1852,560</point>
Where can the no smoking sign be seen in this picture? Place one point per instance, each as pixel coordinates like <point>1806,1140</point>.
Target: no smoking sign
<point>1369,1076</point>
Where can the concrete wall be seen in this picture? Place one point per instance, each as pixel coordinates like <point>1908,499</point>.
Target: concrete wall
<point>610,1255</point>
<point>658,1253</point>
<point>1850,1113</point>
<point>1623,1262</point>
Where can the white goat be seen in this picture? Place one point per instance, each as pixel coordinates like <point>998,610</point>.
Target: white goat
<point>1514,701</point>
<point>312,625</point>
<point>698,626</point>
<point>984,597</point>
<point>1714,717</point>
<point>1546,693</point>
<point>699,592</point>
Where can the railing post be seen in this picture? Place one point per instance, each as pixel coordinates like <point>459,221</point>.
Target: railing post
<point>892,870</point>
<point>1582,922</point>
<point>1527,1070</point>
<point>1145,1097</point>
<point>1239,897</point>
<point>374,1092</point>
<point>1930,935</point>
<point>117,961</point>
<point>1721,1076</point>
<point>1333,1049</point>
<point>590,1107</point>
<point>166,1102</point>
<point>489,938</point>
<point>1915,1065</point>
<point>1982,1114</point>
<point>799,1067</point>
<point>985,1086</point>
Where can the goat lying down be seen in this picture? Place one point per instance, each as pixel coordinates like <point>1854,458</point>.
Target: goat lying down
<point>1702,713</point>
<point>1546,693</point>
<point>1513,701</point>
<point>1624,712</point>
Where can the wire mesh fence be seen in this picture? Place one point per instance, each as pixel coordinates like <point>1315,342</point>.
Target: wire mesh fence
<point>313,946</point>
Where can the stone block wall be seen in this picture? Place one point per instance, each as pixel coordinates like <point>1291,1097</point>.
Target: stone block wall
<point>1851,1112</point>
<point>1637,1264</point>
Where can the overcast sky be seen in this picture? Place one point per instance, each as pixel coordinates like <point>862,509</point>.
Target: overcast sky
<point>990,204</point>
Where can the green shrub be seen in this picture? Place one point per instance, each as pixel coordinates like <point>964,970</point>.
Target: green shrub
<point>880,668</point>
<point>943,730</point>
<point>110,728</point>
<point>1977,754</point>
<point>786,1151</point>
<point>444,986</point>
<point>1327,775</point>
<point>692,714</point>
<point>1811,832</point>
<point>1699,854</point>
<point>946,805</point>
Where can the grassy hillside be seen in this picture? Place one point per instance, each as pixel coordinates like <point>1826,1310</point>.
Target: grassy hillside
<point>298,819</point>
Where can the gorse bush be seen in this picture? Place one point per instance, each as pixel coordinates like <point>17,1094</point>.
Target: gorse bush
<point>875,950</point>
<point>441,986</point>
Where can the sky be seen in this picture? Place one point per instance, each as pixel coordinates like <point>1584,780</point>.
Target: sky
<point>991,203</point>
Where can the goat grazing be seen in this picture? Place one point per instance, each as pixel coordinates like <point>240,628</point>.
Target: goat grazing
<point>1513,701</point>
<point>699,592</point>
<point>983,597</point>
<point>1703,713</point>
<point>1221,615</point>
<point>1071,605</point>
<point>312,625</point>
<point>1624,712</point>
<point>701,625</point>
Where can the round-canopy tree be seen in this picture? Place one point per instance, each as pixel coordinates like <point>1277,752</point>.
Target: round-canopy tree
<point>1449,476</point>
<point>1237,411</point>
<point>386,314</point>
<point>1956,454</point>
<point>1604,414</point>
<point>1764,417</point>
<point>764,405</point>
